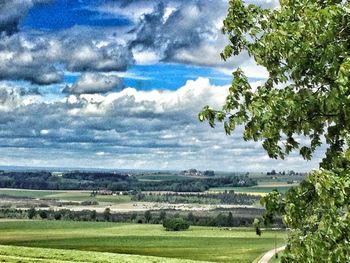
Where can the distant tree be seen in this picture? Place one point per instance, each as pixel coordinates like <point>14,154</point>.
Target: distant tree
<point>93,215</point>
<point>230,220</point>
<point>57,215</point>
<point>43,214</point>
<point>31,213</point>
<point>133,216</point>
<point>148,216</point>
<point>162,216</point>
<point>175,224</point>
<point>190,217</point>
<point>107,214</point>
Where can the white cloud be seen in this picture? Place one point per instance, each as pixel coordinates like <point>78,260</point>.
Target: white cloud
<point>129,129</point>
<point>95,83</point>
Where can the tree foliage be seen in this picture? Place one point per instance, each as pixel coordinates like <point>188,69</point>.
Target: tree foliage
<point>304,45</point>
<point>175,224</point>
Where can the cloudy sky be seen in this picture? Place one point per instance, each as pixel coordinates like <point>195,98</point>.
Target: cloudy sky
<point>119,84</point>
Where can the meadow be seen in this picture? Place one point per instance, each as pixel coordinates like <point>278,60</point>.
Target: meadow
<point>78,196</point>
<point>197,243</point>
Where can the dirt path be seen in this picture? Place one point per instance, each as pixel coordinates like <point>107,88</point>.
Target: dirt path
<point>269,254</point>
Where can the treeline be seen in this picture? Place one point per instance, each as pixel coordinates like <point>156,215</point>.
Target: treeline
<point>67,181</point>
<point>223,219</point>
<point>113,182</point>
<point>197,184</point>
<point>228,197</point>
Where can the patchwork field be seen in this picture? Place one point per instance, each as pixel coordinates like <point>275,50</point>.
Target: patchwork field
<point>65,195</point>
<point>198,243</point>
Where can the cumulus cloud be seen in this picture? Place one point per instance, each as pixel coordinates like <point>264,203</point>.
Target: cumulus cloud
<point>97,123</point>
<point>184,31</point>
<point>134,129</point>
<point>169,30</point>
<point>95,83</point>
<point>39,57</point>
<point>176,26</point>
<point>180,31</point>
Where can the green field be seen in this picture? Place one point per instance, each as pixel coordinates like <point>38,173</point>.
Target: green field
<point>198,243</point>
<point>27,193</point>
<point>15,254</point>
<point>262,188</point>
<point>65,195</point>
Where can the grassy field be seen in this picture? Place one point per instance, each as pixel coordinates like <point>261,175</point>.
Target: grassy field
<point>66,195</point>
<point>15,254</point>
<point>256,190</point>
<point>198,243</point>
<point>261,189</point>
<point>27,193</point>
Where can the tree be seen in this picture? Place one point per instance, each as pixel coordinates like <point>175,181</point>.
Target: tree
<point>304,45</point>
<point>107,214</point>
<point>162,215</point>
<point>31,213</point>
<point>175,224</point>
<point>148,216</point>
<point>230,220</point>
<point>43,214</point>
<point>57,215</point>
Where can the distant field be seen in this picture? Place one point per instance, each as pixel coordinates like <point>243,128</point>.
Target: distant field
<point>27,193</point>
<point>198,243</point>
<point>262,188</point>
<point>65,195</point>
<point>253,190</point>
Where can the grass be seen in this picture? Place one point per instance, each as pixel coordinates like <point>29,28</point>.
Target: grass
<point>198,243</point>
<point>85,196</point>
<point>27,193</point>
<point>66,195</point>
<point>254,190</point>
<point>262,188</point>
<point>17,254</point>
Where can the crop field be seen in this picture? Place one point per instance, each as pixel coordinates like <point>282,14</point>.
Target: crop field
<point>263,188</point>
<point>65,195</point>
<point>257,190</point>
<point>197,243</point>
<point>27,193</point>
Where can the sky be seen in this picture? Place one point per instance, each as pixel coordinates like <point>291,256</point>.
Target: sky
<point>119,83</point>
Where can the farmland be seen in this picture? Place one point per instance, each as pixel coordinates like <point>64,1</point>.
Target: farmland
<point>72,225</point>
<point>198,243</point>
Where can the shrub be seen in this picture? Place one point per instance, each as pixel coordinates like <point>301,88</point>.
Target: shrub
<point>175,224</point>
<point>43,214</point>
<point>31,213</point>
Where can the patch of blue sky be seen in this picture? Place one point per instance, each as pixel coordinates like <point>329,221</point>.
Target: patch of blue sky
<point>70,78</point>
<point>63,14</point>
<point>166,76</point>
